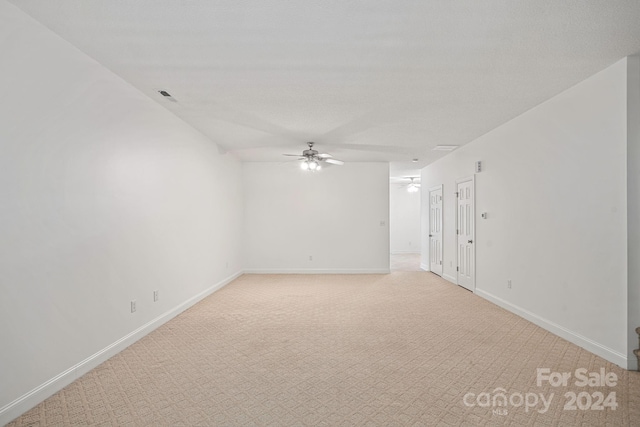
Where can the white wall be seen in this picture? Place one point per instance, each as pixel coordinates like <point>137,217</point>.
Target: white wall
<point>404,220</point>
<point>105,197</point>
<point>333,216</point>
<point>633,205</point>
<point>554,188</point>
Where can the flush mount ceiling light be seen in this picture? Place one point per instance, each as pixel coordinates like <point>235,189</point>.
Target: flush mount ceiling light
<point>312,160</point>
<point>445,147</point>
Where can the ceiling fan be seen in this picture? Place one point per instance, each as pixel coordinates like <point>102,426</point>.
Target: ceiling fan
<point>312,159</point>
<point>412,186</point>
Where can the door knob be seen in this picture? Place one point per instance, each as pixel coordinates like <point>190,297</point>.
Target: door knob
<point>430,235</point>
<point>470,241</point>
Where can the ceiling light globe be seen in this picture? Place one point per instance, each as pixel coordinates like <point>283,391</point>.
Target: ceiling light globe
<point>412,189</point>
<point>313,165</point>
<point>304,166</point>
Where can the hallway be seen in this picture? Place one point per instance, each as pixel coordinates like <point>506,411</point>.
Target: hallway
<point>405,262</point>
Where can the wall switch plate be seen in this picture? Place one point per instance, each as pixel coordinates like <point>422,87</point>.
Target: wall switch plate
<point>133,306</point>
<point>508,284</point>
<point>155,295</point>
<point>310,257</point>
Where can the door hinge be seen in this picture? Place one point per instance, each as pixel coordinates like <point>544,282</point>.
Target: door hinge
<point>457,194</point>
<point>457,268</point>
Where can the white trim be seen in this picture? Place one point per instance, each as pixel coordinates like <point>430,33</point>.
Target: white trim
<point>404,252</point>
<point>424,266</point>
<point>451,279</point>
<point>605,352</point>
<point>465,179</point>
<point>27,401</point>
<point>316,271</point>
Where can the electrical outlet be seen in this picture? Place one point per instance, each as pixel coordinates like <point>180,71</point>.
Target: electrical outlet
<point>310,257</point>
<point>133,306</point>
<point>508,284</point>
<point>227,264</point>
<point>155,295</point>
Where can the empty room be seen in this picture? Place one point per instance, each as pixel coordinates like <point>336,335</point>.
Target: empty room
<point>340,213</point>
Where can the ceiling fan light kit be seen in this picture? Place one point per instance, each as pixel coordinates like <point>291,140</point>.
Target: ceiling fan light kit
<point>310,165</point>
<point>413,186</point>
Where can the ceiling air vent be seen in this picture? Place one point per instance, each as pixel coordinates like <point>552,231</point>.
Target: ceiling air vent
<point>445,147</point>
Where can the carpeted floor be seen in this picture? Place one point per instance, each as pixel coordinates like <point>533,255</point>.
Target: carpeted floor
<point>404,349</point>
<point>405,262</point>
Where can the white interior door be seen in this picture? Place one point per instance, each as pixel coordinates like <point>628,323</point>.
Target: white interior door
<point>466,232</point>
<point>435,230</point>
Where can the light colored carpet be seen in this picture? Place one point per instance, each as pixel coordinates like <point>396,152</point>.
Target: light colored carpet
<point>342,350</point>
<point>405,262</point>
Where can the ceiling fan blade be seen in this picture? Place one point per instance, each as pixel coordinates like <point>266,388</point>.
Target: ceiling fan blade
<point>294,155</point>
<point>334,162</point>
<point>324,155</point>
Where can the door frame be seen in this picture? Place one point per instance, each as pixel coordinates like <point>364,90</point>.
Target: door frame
<point>436,188</point>
<point>471,178</point>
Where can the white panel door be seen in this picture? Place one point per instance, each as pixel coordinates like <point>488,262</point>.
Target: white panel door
<point>466,232</point>
<point>435,230</point>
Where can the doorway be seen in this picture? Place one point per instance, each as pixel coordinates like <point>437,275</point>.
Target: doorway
<point>465,230</point>
<point>435,230</point>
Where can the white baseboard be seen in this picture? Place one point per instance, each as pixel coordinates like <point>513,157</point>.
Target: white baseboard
<point>404,252</point>
<point>424,266</point>
<point>451,279</point>
<point>57,383</point>
<point>317,271</point>
<point>579,340</point>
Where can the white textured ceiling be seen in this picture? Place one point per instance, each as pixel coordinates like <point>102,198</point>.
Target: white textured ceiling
<point>366,80</point>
